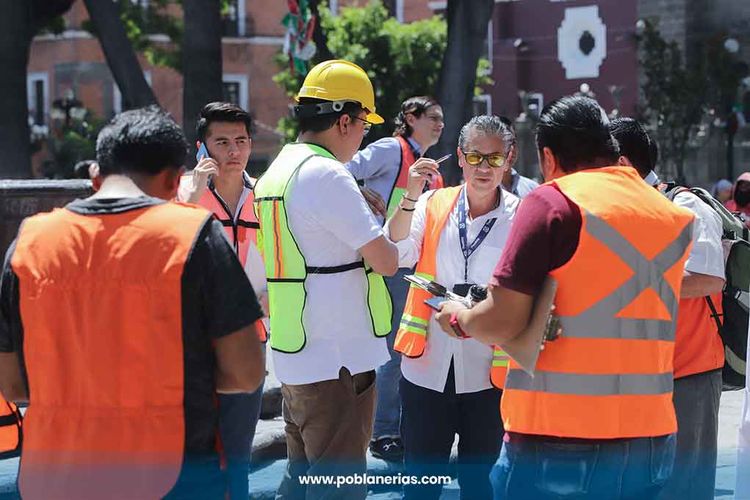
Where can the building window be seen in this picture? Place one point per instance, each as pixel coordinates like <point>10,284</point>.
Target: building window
<point>37,92</point>
<point>235,89</point>
<point>482,105</point>
<point>333,5</point>
<point>233,19</point>
<point>117,102</point>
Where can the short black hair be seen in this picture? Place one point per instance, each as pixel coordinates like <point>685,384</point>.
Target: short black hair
<point>576,129</point>
<point>81,169</point>
<point>635,143</point>
<point>321,123</point>
<point>144,140</point>
<point>221,112</point>
<point>416,106</point>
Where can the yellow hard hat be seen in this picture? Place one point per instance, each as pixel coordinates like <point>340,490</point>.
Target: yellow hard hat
<point>339,80</point>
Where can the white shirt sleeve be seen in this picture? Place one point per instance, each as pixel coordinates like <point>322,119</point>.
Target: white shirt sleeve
<point>410,247</point>
<point>338,205</point>
<point>707,255</point>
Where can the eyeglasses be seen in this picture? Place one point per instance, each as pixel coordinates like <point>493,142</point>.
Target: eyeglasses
<point>495,160</point>
<point>367,125</point>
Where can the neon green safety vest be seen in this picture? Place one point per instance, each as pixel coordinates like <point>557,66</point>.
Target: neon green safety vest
<point>286,269</point>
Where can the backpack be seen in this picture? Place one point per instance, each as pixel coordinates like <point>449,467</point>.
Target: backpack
<point>735,297</point>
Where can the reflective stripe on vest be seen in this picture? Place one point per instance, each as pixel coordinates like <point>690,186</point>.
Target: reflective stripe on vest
<point>101,304</point>
<point>286,270</point>
<point>399,185</point>
<point>411,337</point>
<point>609,375</point>
<point>241,235</point>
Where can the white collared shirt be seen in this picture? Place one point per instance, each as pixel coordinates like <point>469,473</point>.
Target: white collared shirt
<point>471,359</point>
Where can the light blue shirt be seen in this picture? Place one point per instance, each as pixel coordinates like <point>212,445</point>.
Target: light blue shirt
<point>378,164</point>
<point>520,185</point>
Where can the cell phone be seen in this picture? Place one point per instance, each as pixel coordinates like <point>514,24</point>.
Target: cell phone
<point>434,302</point>
<point>202,152</point>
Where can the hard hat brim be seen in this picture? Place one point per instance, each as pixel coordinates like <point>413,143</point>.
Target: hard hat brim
<point>374,118</point>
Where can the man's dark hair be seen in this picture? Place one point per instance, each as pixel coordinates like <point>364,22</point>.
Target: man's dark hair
<point>145,140</point>
<point>576,129</point>
<point>412,106</point>
<point>81,169</point>
<point>221,112</point>
<point>634,143</point>
<point>488,125</point>
<point>322,122</point>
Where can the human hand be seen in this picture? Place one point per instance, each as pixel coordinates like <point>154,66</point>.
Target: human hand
<point>201,173</point>
<point>263,299</point>
<point>420,172</point>
<point>375,201</point>
<point>444,315</point>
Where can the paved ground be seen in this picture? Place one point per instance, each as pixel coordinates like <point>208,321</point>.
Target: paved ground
<point>264,481</point>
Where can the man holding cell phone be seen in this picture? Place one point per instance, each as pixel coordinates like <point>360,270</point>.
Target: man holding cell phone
<point>454,236</point>
<point>220,183</point>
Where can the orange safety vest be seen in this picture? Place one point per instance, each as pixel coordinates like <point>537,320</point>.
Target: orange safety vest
<point>609,375</point>
<point>241,234</point>
<point>411,337</point>
<point>101,304</point>
<point>698,347</point>
<point>399,185</point>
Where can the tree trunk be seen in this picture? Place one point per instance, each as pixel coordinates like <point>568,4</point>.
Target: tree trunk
<point>467,30</point>
<point>201,61</point>
<point>121,58</point>
<point>15,40</point>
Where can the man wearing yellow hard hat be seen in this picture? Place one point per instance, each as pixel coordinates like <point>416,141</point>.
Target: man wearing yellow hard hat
<point>325,254</point>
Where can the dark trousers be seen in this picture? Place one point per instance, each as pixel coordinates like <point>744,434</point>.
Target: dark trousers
<point>547,468</point>
<point>696,402</point>
<point>429,422</point>
<point>238,417</point>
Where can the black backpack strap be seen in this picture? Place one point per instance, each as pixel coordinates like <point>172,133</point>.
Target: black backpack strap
<point>674,191</point>
<point>714,313</point>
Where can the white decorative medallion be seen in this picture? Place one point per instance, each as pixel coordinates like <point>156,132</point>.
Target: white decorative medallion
<point>582,42</point>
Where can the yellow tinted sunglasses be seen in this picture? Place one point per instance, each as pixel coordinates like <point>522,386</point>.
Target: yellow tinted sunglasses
<point>494,160</point>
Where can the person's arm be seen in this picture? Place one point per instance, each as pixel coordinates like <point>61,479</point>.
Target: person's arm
<point>400,222</point>
<point>375,159</point>
<point>230,308</point>
<point>704,268</point>
<point>12,385</point>
<point>700,285</point>
<point>382,255</point>
<point>240,363</point>
<point>12,381</point>
<point>501,317</point>
<point>410,248</point>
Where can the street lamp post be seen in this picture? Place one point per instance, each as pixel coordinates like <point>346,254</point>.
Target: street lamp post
<point>66,108</point>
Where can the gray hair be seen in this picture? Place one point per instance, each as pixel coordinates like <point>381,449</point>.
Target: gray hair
<point>489,125</point>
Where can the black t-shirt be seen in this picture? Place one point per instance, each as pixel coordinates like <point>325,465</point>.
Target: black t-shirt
<point>217,299</point>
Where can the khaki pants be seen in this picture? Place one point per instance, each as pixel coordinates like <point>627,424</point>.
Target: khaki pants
<point>328,428</point>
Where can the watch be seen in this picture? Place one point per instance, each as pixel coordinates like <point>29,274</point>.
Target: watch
<point>453,321</point>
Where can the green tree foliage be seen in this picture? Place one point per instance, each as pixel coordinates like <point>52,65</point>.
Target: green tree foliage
<point>402,60</point>
<point>151,18</point>
<point>679,95</point>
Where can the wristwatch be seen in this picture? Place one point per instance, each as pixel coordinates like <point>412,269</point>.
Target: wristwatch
<point>453,321</point>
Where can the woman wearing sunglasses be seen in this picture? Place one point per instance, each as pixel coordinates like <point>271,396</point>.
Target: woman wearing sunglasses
<point>452,386</point>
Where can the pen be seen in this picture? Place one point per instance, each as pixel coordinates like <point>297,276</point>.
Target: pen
<point>442,159</point>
